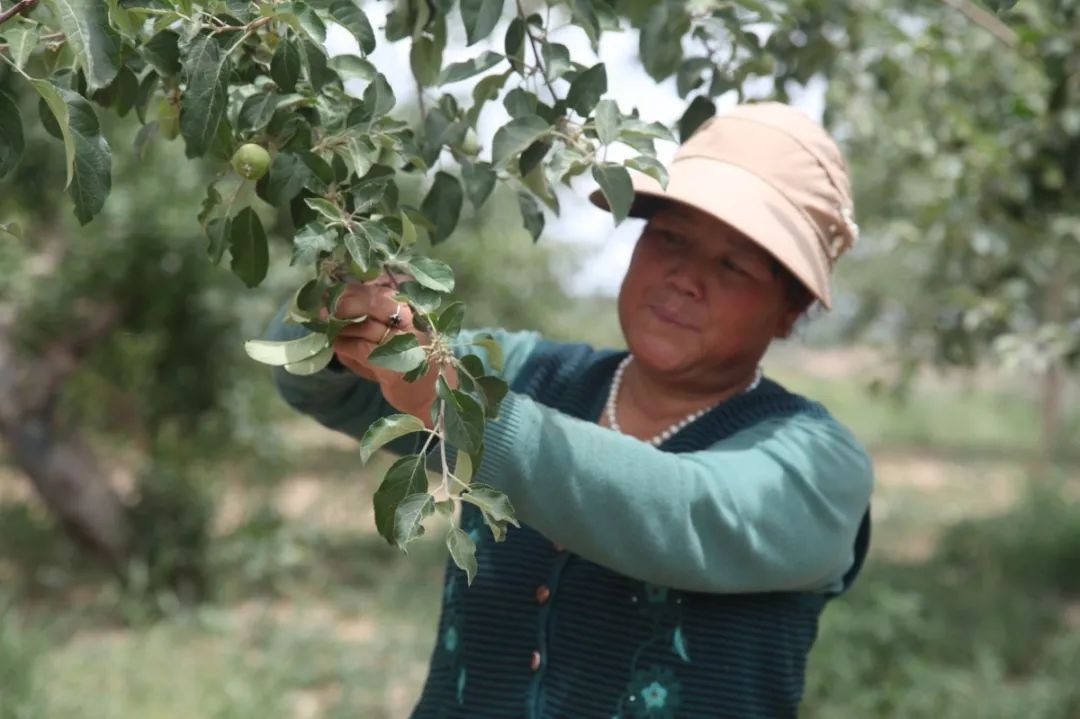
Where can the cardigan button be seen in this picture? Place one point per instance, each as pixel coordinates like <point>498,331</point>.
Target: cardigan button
<point>534,662</point>
<point>542,594</point>
<point>558,547</point>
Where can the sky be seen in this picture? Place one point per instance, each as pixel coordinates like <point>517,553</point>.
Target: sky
<point>581,223</point>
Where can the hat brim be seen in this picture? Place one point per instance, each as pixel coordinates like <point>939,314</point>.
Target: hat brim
<point>744,201</point>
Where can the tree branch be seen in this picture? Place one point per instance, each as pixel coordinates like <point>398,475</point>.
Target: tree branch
<point>536,52</point>
<point>20,8</point>
<point>985,19</point>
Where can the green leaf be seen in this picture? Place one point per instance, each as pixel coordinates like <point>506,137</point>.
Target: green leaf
<point>408,231</point>
<point>349,15</point>
<point>492,502</point>
<point>700,110</point>
<point>650,166</point>
<point>442,205</point>
<point>247,244</point>
<point>401,353</point>
<point>485,90</point>
<point>607,121</point>
<point>125,90</point>
<point>409,517</point>
<point>463,417</point>
<point>379,97</point>
<point>462,70</point>
<point>631,128</point>
<point>162,51</point>
<point>494,390</point>
<point>85,24</point>
<point>480,18</point>
<point>257,110</point>
<point>514,44</point>
<point>92,171</point>
<point>432,274</point>
<point>11,135</point>
<point>449,320</point>
<point>324,207</point>
<point>585,17</point>
<point>206,71</point>
<point>516,136</point>
<point>556,59</point>
<point>493,348</point>
<point>313,239</point>
<point>21,41</point>
<point>279,354</point>
<point>479,181</point>
<point>463,552</point>
<point>420,297</point>
<point>615,183</point>
<point>405,477</point>
<point>287,177</point>
<point>531,214</point>
<point>386,430</point>
<point>285,65</point>
<point>659,54</point>
<point>313,364</point>
<point>218,232</point>
<point>425,55</point>
<point>50,95</point>
<point>351,67</point>
<point>587,89</point>
<point>463,467</point>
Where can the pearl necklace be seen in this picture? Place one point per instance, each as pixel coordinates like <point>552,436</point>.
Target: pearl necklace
<point>616,382</point>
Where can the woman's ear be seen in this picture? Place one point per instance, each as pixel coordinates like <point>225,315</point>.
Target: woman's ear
<point>786,324</point>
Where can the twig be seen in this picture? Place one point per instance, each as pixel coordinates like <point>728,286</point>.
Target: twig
<point>442,447</point>
<point>19,8</point>
<point>536,52</point>
<point>985,19</point>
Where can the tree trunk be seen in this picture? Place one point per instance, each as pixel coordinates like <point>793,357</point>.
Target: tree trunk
<point>1053,380</point>
<point>57,462</point>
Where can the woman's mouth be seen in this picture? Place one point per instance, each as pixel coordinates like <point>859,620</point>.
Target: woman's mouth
<point>671,317</point>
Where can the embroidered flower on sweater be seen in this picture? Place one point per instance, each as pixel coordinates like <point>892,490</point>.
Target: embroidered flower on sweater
<point>653,694</point>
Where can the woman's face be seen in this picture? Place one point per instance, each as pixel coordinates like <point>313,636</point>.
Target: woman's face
<point>699,296</point>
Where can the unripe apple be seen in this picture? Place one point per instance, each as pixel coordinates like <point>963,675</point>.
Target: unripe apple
<point>251,161</point>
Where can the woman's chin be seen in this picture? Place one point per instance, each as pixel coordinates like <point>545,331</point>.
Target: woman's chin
<point>659,354</point>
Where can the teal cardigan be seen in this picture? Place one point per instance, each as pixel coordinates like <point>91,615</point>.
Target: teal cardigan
<point>679,581</point>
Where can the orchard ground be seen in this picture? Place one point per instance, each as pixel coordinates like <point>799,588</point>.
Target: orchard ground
<point>969,606</point>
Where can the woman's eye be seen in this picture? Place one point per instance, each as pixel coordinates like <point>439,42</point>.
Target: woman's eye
<point>728,264</point>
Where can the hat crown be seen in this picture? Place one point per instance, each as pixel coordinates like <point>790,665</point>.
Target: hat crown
<point>792,153</point>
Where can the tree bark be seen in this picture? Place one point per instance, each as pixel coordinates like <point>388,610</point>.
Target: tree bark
<point>58,463</point>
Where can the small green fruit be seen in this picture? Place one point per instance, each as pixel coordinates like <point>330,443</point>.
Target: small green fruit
<point>251,161</point>
<point>168,118</point>
<point>471,144</point>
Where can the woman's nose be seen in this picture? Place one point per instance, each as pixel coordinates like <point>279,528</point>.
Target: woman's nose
<point>685,277</point>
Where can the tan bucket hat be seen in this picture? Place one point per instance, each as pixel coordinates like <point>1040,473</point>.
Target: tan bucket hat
<point>774,175</point>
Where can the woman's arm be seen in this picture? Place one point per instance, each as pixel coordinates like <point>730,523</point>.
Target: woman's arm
<point>774,507</point>
<point>343,401</point>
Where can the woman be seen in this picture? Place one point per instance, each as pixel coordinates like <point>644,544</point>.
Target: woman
<point>685,519</point>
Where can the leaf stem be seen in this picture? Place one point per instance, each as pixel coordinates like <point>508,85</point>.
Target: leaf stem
<point>442,447</point>
<point>20,8</point>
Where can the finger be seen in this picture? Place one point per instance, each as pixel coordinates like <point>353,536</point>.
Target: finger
<point>371,330</point>
<point>377,303</point>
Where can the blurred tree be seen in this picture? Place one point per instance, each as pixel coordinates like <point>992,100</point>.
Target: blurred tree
<point>963,129</point>
<point>120,329</point>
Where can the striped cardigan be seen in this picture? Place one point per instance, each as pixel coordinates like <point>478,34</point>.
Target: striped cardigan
<point>546,634</point>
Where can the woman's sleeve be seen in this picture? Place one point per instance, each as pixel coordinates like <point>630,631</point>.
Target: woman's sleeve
<point>343,401</point>
<point>775,507</point>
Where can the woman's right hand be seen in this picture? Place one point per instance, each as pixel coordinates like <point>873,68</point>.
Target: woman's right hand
<point>355,343</point>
